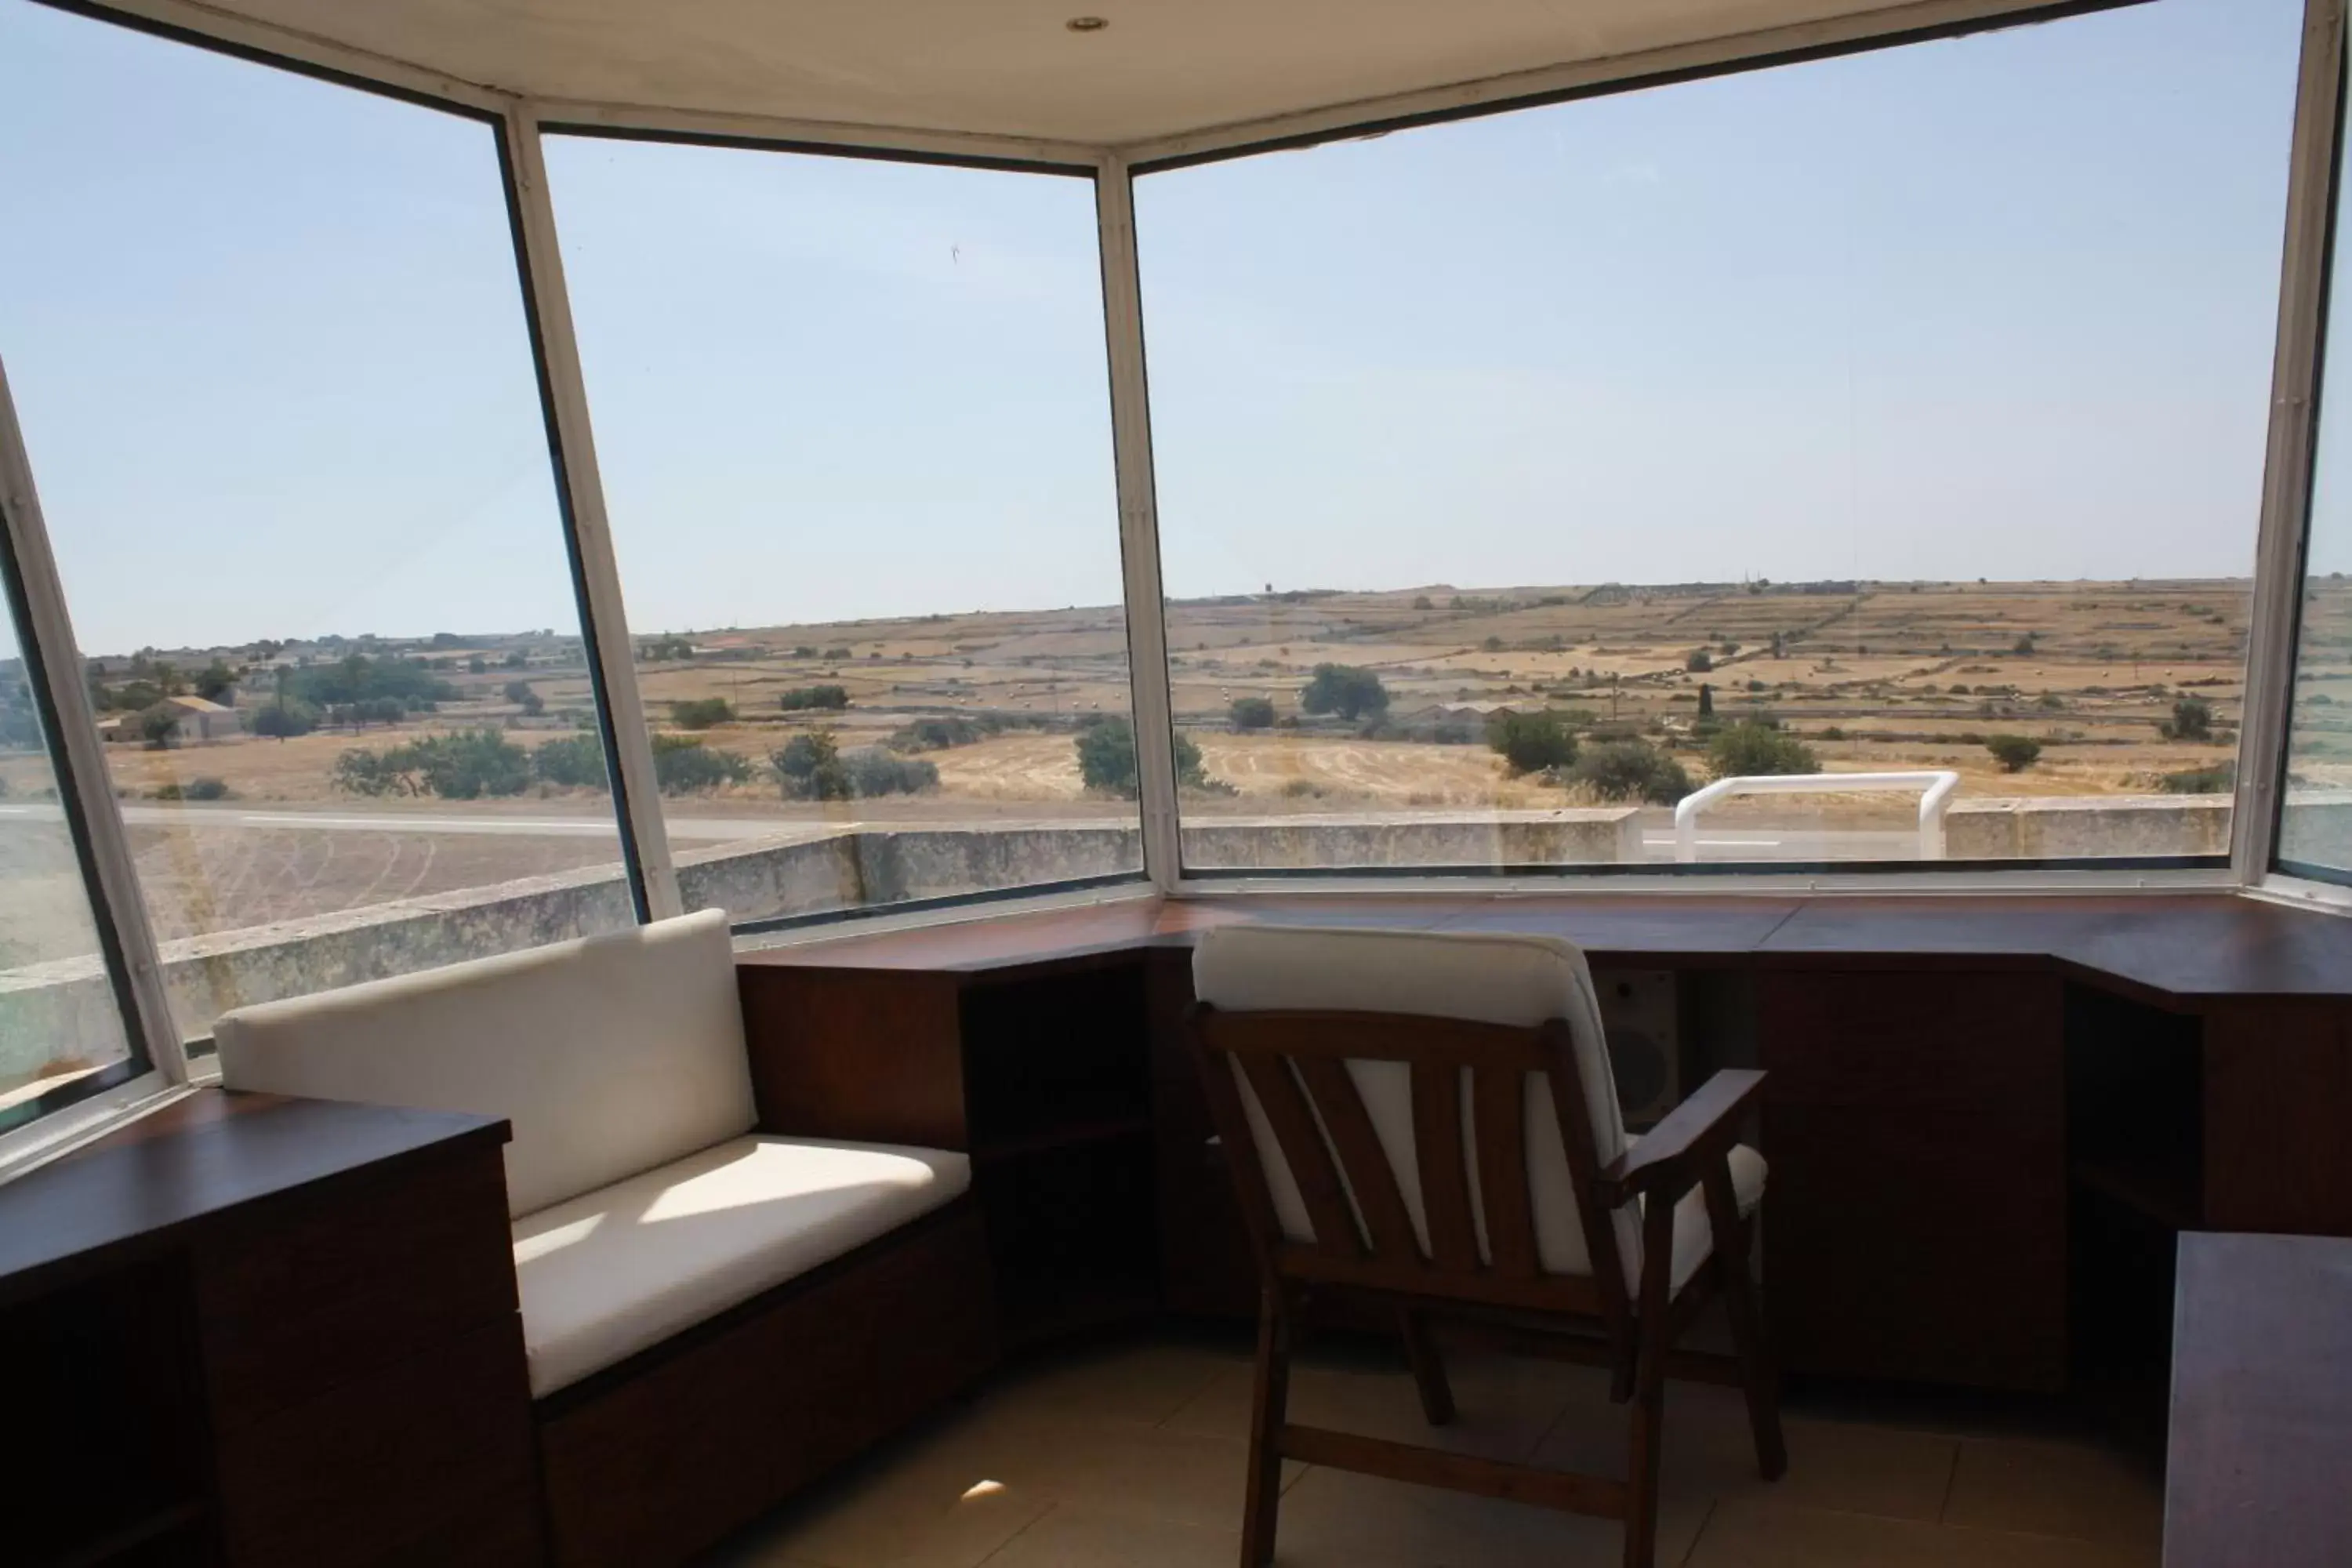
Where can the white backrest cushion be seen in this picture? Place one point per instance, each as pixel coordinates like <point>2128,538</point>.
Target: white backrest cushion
<point>610,1055</point>
<point>1485,978</point>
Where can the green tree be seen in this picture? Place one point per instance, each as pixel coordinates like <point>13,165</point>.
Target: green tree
<point>809,768</point>
<point>1252,713</point>
<point>802,697</point>
<point>2192,720</point>
<point>1632,770</point>
<point>1754,747</point>
<point>520,693</point>
<point>701,712</point>
<point>284,717</point>
<point>2015,754</point>
<point>159,727</point>
<point>1530,742</point>
<point>1106,758</point>
<point>1346,690</point>
<point>572,762</point>
<point>215,681</point>
<point>1699,662</point>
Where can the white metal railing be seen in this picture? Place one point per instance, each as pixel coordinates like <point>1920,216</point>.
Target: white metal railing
<point>1936,786</point>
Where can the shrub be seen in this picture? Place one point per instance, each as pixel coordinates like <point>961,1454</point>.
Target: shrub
<point>2192,720</point>
<point>286,717</point>
<point>1422,602</point>
<point>572,761</point>
<point>802,698</point>
<point>683,765</point>
<point>1345,689</point>
<point>1699,662</point>
<point>2023,645</point>
<point>1252,713</point>
<point>159,727</point>
<point>467,764</point>
<point>205,787</point>
<point>873,770</point>
<point>2015,754</point>
<point>1106,758</point>
<point>1753,747</point>
<point>2219,778</point>
<point>809,768</point>
<point>1530,742</point>
<point>701,712</point>
<point>363,771</point>
<point>520,693</point>
<point>837,653</point>
<point>938,734</point>
<point>1301,789</point>
<point>1632,770</point>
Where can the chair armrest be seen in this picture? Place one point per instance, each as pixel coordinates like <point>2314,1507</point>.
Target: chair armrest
<point>1673,1153</point>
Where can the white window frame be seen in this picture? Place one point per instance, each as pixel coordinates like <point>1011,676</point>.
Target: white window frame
<point>518,122</point>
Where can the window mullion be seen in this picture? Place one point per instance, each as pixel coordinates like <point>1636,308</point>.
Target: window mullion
<point>596,578</point>
<point>85,791</point>
<point>1139,524</point>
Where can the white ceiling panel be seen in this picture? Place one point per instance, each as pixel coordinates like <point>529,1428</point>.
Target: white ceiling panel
<point>1014,68</point>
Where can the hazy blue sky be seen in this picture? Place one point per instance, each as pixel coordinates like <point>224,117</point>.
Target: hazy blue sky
<point>1996,307</point>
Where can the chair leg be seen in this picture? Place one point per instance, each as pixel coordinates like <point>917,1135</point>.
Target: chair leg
<point>1644,1444</point>
<point>1758,1376</point>
<point>1643,1453</point>
<point>1428,1368</point>
<point>1269,1397</point>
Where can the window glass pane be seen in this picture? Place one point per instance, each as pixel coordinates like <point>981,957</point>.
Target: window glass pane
<point>270,357</point>
<point>59,1023</point>
<point>2316,816</point>
<point>852,419</point>
<point>1898,413</point>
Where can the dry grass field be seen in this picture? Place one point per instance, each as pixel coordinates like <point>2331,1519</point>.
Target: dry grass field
<point>1870,676</point>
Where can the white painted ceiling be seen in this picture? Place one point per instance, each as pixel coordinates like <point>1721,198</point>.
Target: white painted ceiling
<point>1010,67</point>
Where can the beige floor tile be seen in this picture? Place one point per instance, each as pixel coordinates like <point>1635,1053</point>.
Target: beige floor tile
<point>1077,1537</point>
<point>2057,1489</point>
<point>1144,1383</point>
<point>1504,1405</point>
<point>2003,1548</point>
<point>1750,1533</point>
<point>1330,1518</point>
<point>1710,1453</point>
<point>895,1516</point>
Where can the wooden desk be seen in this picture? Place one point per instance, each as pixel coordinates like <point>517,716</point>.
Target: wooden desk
<point>2260,1473</point>
<point>1948,1075</point>
<point>256,1330</point>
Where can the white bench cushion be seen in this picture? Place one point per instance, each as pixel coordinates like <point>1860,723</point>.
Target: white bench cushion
<point>608,1273</point>
<point>609,1055</point>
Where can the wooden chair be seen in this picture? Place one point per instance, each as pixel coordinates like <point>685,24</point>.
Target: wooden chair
<point>1428,1122</point>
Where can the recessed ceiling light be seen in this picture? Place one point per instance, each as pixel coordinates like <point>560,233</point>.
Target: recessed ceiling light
<point>1086,24</point>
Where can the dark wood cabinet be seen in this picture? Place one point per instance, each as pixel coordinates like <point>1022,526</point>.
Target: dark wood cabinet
<point>1043,1074</point>
<point>275,1332</point>
<point>1915,1129</point>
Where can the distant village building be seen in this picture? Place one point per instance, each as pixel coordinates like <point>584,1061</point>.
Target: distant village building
<point>199,719</point>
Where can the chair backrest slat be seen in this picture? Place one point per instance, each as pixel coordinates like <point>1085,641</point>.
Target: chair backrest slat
<point>1444,1172</point>
<point>1292,1124</point>
<point>1372,1180</point>
<point>1499,1111</point>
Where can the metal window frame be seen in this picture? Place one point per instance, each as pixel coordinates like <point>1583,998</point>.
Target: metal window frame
<point>2305,306</point>
<point>518,123</point>
<point>587,526</point>
<point>158,1059</point>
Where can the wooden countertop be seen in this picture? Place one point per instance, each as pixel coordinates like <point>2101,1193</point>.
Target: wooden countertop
<point>2260,1471</point>
<point>2172,949</point>
<point>194,1160</point>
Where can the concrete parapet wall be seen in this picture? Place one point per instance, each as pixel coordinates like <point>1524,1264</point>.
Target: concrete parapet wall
<point>66,1006</point>
<point>2087,827</point>
<point>1583,837</point>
